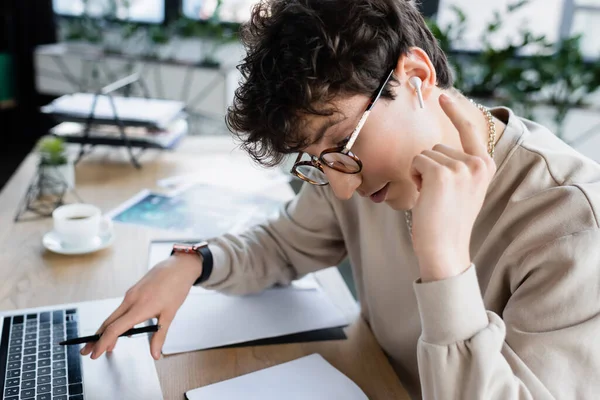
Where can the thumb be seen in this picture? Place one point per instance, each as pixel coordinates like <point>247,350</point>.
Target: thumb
<point>158,338</point>
<point>416,177</point>
<point>417,180</point>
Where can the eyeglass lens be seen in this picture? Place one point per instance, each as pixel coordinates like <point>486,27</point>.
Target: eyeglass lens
<point>338,161</point>
<point>312,173</point>
<point>341,162</point>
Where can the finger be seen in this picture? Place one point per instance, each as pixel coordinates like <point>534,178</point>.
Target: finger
<point>474,163</point>
<point>111,333</point>
<point>471,141</point>
<point>442,159</point>
<point>423,167</point>
<point>122,309</point>
<point>418,181</point>
<point>87,348</point>
<point>158,338</point>
<point>452,152</point>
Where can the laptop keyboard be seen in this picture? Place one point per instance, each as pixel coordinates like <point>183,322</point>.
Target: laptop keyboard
<point>32,363</point>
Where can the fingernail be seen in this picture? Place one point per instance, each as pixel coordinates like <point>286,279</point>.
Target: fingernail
<point>156,355</point>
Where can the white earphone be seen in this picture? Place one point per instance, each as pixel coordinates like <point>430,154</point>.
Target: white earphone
<point>416,83</point>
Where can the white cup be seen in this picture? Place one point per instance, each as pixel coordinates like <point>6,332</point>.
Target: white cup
<point>80,225</point>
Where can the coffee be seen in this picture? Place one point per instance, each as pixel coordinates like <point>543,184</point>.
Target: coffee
<point>77,224</point>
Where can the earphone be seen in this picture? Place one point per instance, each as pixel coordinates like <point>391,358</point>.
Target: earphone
<point>416,83</point>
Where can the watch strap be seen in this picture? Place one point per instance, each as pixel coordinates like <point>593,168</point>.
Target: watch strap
<point>207,264</point>
<point>201,249</point>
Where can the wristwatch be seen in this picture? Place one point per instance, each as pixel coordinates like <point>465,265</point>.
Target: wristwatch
<point>200,249</point>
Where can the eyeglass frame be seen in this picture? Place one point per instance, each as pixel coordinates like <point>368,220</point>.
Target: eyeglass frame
<point>318,162</point>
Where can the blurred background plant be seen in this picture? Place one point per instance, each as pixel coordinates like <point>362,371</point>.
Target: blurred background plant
<point>52,151</point>
<point>211,34</point>
<point>55,168</point>
<point>526,72</point>
<point>116,34</point>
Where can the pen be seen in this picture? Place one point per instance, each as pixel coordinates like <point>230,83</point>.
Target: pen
<point>95,338</point>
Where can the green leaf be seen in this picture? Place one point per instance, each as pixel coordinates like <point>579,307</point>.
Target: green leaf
<point>516,6</point>
<point>52,150</point>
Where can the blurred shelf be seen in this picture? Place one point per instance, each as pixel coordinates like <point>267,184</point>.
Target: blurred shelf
<point>7,104</point>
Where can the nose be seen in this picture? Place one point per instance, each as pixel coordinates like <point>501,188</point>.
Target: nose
<point>343,185</point>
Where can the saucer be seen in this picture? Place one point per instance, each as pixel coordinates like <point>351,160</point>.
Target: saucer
<point>53,243</point>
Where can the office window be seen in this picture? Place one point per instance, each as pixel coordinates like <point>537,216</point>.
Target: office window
<point>586,21</point>
<point>552,18</point>
<point>236,11</point>
<point>540,16</point>
<point>149,11</point>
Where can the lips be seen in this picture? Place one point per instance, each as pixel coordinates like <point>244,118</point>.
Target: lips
<point>380,195</point>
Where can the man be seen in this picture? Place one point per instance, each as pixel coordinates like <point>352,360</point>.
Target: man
<point>473,233</point>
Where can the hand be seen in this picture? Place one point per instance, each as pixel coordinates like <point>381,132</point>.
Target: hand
<point>159,294</point>
<point>452,186</point>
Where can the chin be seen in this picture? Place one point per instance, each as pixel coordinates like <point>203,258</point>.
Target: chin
<point>405,202</point>
<point>399,204</point>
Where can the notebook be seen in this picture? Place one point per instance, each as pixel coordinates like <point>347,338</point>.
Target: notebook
<point>212,320</point>
<point>309,377</point>
<point>130,110</point>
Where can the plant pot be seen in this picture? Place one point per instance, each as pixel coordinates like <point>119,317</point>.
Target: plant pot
<point>113,42</point>
<point>163,52</point>
<point>52,178</point>
<point>83,47</point>
<point>187,50</point>
<point>209,63</point>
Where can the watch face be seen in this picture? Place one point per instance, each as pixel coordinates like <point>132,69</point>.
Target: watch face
<point>183,248</point>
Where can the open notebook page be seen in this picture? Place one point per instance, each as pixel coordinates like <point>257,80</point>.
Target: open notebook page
<point>210,320</point>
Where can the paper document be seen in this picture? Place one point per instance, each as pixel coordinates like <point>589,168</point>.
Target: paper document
<point>235,174</point>
<point>199,211</point>
<point>209,320</point>
<point>164,138</point>
<point>310,377</point>
<point>157,112</point>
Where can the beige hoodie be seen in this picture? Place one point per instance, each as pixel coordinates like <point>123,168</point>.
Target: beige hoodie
<point>523,322</point>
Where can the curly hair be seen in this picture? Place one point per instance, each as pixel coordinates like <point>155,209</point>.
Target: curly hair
<point>301,54</point>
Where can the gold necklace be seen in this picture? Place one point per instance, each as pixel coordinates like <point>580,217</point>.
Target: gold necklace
<point>491,151</point>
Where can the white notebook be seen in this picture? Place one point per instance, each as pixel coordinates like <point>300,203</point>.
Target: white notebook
<point>310,377</point>
<point>210,320</point>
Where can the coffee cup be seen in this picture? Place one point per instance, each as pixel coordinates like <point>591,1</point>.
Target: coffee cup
<point>80,225</point>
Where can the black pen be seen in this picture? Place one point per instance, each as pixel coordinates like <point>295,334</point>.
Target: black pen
<point>95,338</point>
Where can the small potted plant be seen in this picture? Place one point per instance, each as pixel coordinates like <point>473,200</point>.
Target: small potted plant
<point>55,168</point>
<point>160,42</point>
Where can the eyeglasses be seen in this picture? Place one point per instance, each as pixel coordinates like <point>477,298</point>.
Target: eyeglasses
<point>339,158</point>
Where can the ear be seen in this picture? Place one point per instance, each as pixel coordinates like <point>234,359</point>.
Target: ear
<point>416,63</point>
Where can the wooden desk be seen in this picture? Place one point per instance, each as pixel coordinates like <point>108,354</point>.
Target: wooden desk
<point>30,276</point>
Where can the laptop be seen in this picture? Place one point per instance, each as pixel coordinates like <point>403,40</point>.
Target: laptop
<point>34,366</point>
